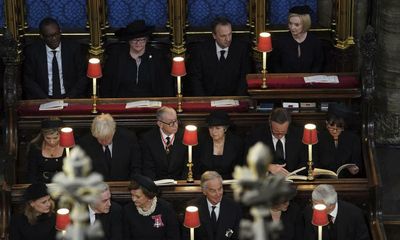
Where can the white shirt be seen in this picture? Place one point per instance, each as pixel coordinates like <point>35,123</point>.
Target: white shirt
<point>334,212</point>
<point>164,138</point>
<point>217,208</point>
<point>283,140</point>
<point>50,55</point>
<point>92,216</point>
<point>109,147</point>
<point>219,51</point>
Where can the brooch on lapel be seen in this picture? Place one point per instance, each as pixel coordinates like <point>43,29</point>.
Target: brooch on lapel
<point>229,233</point>
<point>157,221</point>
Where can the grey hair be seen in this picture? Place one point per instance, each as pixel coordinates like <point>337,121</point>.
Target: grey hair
<point>207,176</point>
<point>103,187</point>
<point>103,126</point>
<point>162,110</point>
<point>325,193</point>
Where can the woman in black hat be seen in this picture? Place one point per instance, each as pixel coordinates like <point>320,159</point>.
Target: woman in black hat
<point>45,155</point>
<point>136,69</point>
<point>337,146</point>
<point>298,50</point>
<point>38,220</point>
<point>219,150</point>
<point>147,216</point>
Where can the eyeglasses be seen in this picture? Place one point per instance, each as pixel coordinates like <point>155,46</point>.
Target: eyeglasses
<point>334,129</point>
<point>139,40</point>
<point>170,124</point>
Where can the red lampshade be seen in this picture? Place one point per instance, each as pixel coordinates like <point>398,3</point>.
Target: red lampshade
<point>178,67</point>
<point>310,134</point>
<point>264,42</point>
<point>94,68</point>
<point>190,135</point>
<point>320,217</point>
<point>192,219</point>
<point>62,220</point>
<point>67,139</point>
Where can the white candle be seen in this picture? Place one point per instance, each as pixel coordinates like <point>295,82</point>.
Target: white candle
<point>264,60</point>
<point>179,84</point>
<point>94,86</point>
<point>190,153</point>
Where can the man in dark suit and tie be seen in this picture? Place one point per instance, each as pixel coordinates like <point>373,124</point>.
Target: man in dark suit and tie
<point>108,213</point>
<point>53,68</point>
<point>164,155</point>
<point>219,66</point>
<point>114,151</point>
<point>285,141</point>
<point>346,220</point>
<point>219,215</point>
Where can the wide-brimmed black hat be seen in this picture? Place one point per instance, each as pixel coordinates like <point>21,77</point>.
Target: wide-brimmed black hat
<point>135,29</point>
<point>340,111</point>
<point>52,123</point>
<point>289,195</point>
<point>305,9</point>
<point>218,118</point>
<point>35,191</point>
<point>146,183</point>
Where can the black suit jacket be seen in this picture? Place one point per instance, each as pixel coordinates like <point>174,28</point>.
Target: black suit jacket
<point>232,156</point>
<point>125,155</point>
<point>112,222</point>
<point>229,218</point>
<point>36,81</point>
<point>154,68</point>
<point>293,224</point>
<point>347,151</point>
<point>209,77</point>
<point>295,150</point>
<point>156,164</point>
<point>350,224</point>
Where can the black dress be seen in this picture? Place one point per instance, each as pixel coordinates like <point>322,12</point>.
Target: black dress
<point>162,224</point>
<point>40,168</point>
<point>44,228</point>
<point>285,59</point>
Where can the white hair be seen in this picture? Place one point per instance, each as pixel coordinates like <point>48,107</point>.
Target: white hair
<point>325,193</point>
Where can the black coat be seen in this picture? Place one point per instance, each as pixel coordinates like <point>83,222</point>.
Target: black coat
<point>36,83</point>
<point>138,227</point>
<point>229,218</point>
<point>350,224</point>
<point>21,229</point>
<point>293,224</point>
<point>209,77</point>
<point>284,57</point>
<point>112,222</point>
<point>125,155</point>
<point>224,164</point>
<point>295,150</point>
<point>156,163</point>
<point>120,71</point>
<point>348,151</point>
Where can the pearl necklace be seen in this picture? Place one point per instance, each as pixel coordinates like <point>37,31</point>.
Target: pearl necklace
<point>151,209</point>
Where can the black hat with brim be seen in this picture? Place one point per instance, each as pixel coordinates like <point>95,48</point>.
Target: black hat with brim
<point>287,196</point>
<point>301,10</point>
<point>146,183</point>
<point>35,191</point>
<point>52,123</point>
<point>218,118</point>
<point>339,111</point>
<point>135,29</point>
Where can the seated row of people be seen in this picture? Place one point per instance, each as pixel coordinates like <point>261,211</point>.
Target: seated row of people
<point>159,153</point>
<point>55,68</point>
<point>148,216</point>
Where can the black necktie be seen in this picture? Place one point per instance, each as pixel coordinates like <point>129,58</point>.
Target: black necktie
<point>222,58</point>
<point>332,228</point>
<point>56,77</point>
<point>213,219</point>
<point>167,145</point>
<point>107,154</point>
<point>280,157</point>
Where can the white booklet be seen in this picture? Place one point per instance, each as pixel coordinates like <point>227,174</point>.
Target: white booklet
<point>321,79</point>
<point>224,103</point>
<point>143,103</point>
<point>54,105</point>
<point>165,182</point>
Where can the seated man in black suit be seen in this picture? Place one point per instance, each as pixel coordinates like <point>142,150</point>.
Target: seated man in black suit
<point>115,152</point>
<point>284,139</point>
<point>108,213</point>
<point>219,215</point>
<point>346,220</point>
<point>53,68</point>
<point>219,66</point>
<point>164,155</point>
